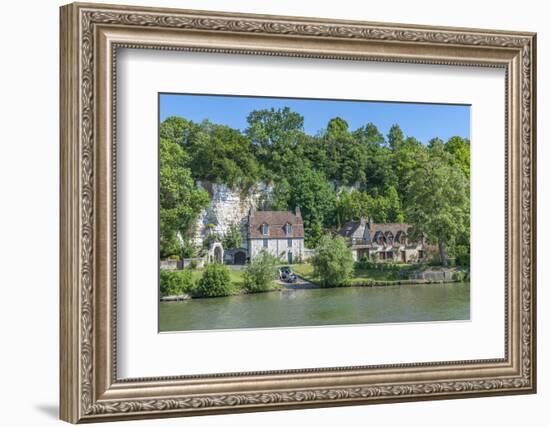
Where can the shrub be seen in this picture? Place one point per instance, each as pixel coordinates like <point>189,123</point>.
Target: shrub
<point>215,281</point>
<point>233,237</point>
<point>174,257</point>
<point>462,255</point>
<point>260,273</point>
<point>332,262</point>
<point>365,264</point>
<point>188,250</point>
<point>374,256</point>
<point>169,246</point>
<point>176,282</point>
<point>193,265</point>
<point>458,276</point>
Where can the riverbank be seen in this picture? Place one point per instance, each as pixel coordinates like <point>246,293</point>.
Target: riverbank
<point>397,274</point>
<point>378,277</point>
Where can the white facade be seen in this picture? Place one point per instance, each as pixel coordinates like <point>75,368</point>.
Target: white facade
<point>279,247</point>
<point>402,253</point>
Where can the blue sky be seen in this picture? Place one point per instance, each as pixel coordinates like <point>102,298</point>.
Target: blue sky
<point>423,121</point>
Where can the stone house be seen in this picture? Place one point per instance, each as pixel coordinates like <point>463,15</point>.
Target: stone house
<point>281,233</point>
<point>383,242</point>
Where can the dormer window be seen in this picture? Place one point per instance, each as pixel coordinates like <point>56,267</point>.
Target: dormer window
<point>288,228</point>
<point>265,229</point>
<point>401,237</point>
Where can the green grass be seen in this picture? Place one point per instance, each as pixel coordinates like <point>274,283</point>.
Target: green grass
<point>304,270</point>
<point>237,280</point>
<point>237,277</point>
<point>398,274</point>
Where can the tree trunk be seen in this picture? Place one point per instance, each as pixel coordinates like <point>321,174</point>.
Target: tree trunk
<point>443,254</point>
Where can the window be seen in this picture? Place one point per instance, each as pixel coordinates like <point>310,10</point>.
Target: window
<point>265,243</point>
<point>288,228</point>
<point>265,229</point>
<point>289,243</point>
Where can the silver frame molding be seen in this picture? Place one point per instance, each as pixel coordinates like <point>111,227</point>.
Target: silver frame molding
<point>90,37</point>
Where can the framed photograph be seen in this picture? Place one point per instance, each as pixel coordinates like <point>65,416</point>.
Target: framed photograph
<point>267,212</point>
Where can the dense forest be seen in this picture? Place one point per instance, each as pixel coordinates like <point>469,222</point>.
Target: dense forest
<point>335,176</point>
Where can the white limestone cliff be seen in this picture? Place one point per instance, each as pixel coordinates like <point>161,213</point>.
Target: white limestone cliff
<point>227,207</point>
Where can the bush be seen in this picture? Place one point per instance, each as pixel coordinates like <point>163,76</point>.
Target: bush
<point>260,273</point>
<point>176,282</point>
<point>462,255</point>
<point>332,262</point>
<point>193,265</point>
<point>365,264</point>
<point>188,250</point>
<point>215,281</point>
<point>169,246</point>
<point>174,257</point>
<point>374,256</point>
<point>233,238</point>
<point>458,276</point>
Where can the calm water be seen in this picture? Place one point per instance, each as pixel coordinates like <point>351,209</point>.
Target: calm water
<point>313,307</point>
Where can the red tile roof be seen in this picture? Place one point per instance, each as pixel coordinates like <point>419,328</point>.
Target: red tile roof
<point>276,221</point>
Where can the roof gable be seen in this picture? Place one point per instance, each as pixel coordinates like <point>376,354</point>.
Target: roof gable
<point>276,222</point>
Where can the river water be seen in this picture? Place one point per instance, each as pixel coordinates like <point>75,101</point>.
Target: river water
<point>314,307</point>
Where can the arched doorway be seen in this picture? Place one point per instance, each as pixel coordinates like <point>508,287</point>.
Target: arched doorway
<point>218,254</point>
<point>240,258</point>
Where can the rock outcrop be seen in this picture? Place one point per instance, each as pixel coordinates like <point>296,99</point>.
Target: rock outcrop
<point>227,207</point>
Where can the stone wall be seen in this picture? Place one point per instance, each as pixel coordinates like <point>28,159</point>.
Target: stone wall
<point>434,275</point>
<point>169,264</point>
<point>199,262</point>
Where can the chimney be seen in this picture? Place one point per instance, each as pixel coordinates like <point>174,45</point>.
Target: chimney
<point>371,222</point>
<point>362,221</point>
<point>298,212</point>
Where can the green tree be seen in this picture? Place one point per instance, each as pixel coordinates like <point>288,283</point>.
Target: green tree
<point>188,249</point>
<point>359,204</point>
<point>395,137</point>
<point>214,282</point>
<point>370,136</point>
<point>176,282</point>
<point>180,200</point>
<point>346,156</point>
<point>222,155</point>
<point>276,135</point>
<point>404,163</point>
<point>233,238</point>
<point>333,261</point>
<point>261,272</point>
<point>176,130</point>
<point>308,189</point>
<point>379,168</point>
<point>393,204</point>
<point>438,201</point>
<point>460,150</point>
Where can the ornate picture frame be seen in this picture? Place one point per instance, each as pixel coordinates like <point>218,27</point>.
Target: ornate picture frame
<point>90,37</point>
